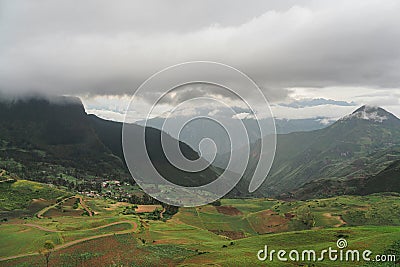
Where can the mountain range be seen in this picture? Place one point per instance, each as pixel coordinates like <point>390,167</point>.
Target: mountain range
<point>50,140</point>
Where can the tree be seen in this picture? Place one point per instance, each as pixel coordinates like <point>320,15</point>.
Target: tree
<point>46,251</point>
<point>216,203</point>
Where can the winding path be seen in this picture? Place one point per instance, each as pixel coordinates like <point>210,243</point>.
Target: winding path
<point>339,218</point>
<point>162,213</point>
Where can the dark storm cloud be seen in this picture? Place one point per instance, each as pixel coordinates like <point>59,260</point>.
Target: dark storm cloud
<point>99,47</point>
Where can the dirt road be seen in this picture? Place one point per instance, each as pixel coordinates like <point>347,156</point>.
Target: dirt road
<point>84,206</point>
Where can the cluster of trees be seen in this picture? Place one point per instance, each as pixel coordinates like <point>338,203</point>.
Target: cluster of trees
<point>148,200</point>
<point>143,200</point>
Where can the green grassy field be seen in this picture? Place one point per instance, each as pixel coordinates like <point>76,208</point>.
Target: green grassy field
<point>21,239</point>
<point>230,234</point>
<point>182,245</point>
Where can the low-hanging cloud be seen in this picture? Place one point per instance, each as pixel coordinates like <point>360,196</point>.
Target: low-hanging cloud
<point>103,49</point>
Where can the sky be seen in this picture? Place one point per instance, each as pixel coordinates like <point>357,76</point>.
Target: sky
<point>342,53</point>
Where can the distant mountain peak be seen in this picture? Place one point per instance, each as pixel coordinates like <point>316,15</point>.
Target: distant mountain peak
<point>368,109</point>
<point>370,113</point>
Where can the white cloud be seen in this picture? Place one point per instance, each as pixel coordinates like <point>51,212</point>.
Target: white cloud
<point>328,111</point>
<point>341,50</point>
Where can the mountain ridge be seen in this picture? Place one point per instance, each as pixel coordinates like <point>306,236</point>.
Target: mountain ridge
<point>57,137</point>
<point>387,180</point>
